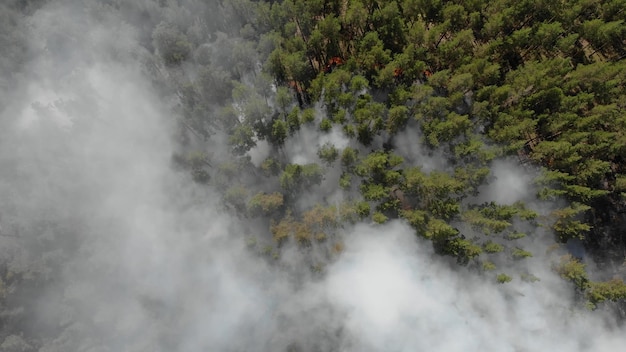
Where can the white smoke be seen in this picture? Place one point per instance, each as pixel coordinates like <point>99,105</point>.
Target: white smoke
<point>400,297</point>
<point>144,260</point>
<point>510,183</point>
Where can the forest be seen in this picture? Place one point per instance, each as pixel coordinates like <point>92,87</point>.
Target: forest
<point>540,81</point>
<point>300,121</point>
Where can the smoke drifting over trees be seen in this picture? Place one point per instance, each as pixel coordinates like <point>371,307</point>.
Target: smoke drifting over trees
<point>306,176</point>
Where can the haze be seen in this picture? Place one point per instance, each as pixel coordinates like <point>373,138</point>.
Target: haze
<point>121,251</point>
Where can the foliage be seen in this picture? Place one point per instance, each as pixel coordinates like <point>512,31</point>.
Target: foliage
<point>612,290</point>
<point>265,204</point>
<point>503,278</point>
<point>419,98</point>
<point>567,225</point>
<point>297,177</point>
<point>172,44</point>
<point>379,218</point>
<point>405,82</point>
<point>573,270</point>
<point>478,82</point>
<point>595,292</point>
<point>235,196</point>
<point>328,153</point>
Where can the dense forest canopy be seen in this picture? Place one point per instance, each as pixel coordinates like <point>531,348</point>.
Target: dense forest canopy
<point>304,175</point>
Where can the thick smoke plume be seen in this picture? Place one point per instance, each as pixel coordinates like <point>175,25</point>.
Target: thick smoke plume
<point>137,257</point>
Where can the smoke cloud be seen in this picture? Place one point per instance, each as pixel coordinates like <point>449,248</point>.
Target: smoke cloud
<point>137,257</point>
